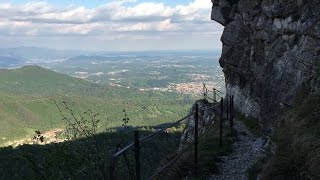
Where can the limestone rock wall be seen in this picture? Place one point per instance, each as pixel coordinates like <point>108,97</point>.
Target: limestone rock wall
<point>271,52</point>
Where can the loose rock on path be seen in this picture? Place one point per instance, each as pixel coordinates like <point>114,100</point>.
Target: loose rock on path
<point>246,152</point>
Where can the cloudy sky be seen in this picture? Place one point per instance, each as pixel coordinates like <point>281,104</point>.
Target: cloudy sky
<point>109,25</point>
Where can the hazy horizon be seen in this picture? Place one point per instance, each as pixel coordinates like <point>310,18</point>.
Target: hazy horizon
<point>114,51</point>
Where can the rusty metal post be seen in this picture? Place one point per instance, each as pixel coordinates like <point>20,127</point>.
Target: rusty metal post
<point>196,123</point>
<point>137,154</point>
<point>221,121</point>
<point>204,91</point>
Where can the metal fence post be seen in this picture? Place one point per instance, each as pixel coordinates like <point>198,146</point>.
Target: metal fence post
<point>205,91</point>
<point>196,123</point>
<point>137,154</point>
<point>221,121</point>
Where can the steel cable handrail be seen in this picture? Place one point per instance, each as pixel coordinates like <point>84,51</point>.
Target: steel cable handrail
<point>216,91</point>
<point>212,98</point>
<point>122,150</point>
<point>151,135</point>
<point>158,171</point>
<point>212,107</point>
<point>163,129</point>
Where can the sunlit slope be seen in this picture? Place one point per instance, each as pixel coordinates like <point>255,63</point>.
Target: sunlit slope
<point>27,94</point>
<point>34,80</point>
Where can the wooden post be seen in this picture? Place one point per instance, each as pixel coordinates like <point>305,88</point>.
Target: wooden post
<point>196,122</point>
<point>137,154</point>
<point>221,121</point>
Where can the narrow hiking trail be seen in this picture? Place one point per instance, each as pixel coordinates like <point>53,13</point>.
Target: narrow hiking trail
<point>247,150</point>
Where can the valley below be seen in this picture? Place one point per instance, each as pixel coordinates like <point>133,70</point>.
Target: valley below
<point>153,88</point>
<point>68,114</point>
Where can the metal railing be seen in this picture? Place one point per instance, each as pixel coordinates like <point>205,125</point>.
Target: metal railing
<point>216,93</point>
<point>135,173</point>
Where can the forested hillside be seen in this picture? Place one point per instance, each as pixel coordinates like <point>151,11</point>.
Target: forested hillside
<point>27,104</point>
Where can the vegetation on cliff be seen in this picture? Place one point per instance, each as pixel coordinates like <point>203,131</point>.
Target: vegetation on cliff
<point>297,140</point>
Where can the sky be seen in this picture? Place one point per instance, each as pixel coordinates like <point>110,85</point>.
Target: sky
<point>109,25</point>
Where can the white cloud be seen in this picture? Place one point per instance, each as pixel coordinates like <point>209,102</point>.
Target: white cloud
<point>148,11</point>
<point>139,20</point>
<point>36,7</point>
<point>165,25</point>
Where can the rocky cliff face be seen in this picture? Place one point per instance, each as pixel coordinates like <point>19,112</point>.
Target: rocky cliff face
<point>271,53</point>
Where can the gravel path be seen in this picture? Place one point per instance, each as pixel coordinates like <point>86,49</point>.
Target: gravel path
<point>246,152</point>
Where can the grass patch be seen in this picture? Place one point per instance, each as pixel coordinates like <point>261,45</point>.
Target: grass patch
<point>298,143</point>
<point>209,152</point>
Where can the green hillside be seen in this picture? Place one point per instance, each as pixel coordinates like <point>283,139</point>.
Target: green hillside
<point>34,80</point>
<point>27,94</point>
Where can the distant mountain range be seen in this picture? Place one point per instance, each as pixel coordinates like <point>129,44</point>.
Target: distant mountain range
<point>35,52</point>
<point>20,56</point>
